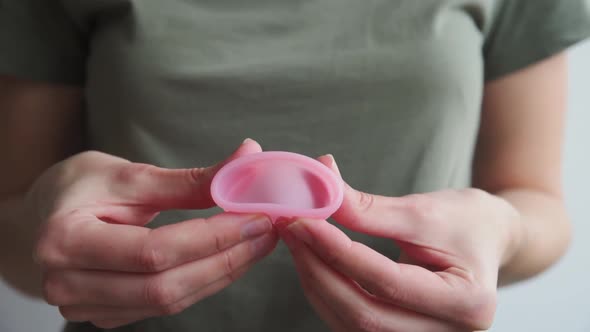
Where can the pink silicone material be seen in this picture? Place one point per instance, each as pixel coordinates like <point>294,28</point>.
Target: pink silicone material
<point>278,184</point>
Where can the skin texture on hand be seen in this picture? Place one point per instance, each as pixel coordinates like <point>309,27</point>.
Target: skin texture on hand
<point>100,264</point>
<point>453,244</point>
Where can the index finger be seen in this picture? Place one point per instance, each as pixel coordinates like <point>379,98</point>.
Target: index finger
<point>101,246</point>
<point>439,294</point>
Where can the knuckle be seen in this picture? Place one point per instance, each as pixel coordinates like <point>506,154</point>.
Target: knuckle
<point>332,258</point>
<point>366,320</point>
<point>222,242</point>
<point>55,242</point>
<point>49,249</point>
<point>338,258</point>
<point>172,309</point>
<point>228,264</point>
<point>478,313</point>
<point>423,207</point>
<point>390,291</point>
<point>235,275</point>
<point>151,259</point>
<point>195,175</point>
<point>365,202</point>
<point>474,193</point>
<point>310,276</point>
<point>91,155</point>
<point>93,160</point>
<point>70,314</point>
<point>158,292</point>
<point>46,254</point>
<point>133,173</point>
<point>54,291</point>
<point>86,158</point>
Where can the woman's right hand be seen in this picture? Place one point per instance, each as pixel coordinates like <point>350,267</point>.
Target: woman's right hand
<point>101,265</point>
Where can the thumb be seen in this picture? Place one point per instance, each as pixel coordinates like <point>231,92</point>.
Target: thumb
<point>166,189</point>
<point>330,162</point>
<point>376,215</point>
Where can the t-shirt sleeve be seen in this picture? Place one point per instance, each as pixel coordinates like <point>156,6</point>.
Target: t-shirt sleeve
<point>526,31</point>
<point>40,41</point>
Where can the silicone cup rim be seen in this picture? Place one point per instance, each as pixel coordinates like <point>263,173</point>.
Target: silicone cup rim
<point>330,179</point>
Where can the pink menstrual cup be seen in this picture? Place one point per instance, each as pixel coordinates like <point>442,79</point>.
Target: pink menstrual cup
<point>278,184</point>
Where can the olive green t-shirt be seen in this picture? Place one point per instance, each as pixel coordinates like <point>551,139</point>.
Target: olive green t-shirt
<point>392,88</point>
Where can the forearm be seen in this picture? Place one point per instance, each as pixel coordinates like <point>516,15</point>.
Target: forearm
<point>40,124</point>
<point>542,237</point>
<point>17,267</point>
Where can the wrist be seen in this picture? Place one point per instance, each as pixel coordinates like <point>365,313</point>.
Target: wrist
<point>515,234</point>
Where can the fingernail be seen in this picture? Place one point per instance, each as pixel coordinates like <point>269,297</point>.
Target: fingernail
<point>300,232</point>
<point>256,227</point>
<point>333,164</point>
<point>263,244</point>
<point>247,140</point>
<point>282,223</point>
<point>331,157</point>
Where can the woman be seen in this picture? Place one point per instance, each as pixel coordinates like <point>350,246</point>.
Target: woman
<point>447,116</point>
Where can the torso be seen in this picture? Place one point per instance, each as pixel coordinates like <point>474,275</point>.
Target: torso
<point>392,88</point>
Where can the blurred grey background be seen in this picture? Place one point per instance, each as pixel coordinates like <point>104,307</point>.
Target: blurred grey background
<point>558,300</point>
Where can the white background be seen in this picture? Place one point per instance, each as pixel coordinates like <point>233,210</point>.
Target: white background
<point>558,300</point>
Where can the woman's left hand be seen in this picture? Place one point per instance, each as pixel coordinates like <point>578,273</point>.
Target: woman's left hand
<point>453,243</point>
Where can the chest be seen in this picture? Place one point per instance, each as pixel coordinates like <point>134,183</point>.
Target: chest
<point>426,44</point>
<point>373,78</point>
